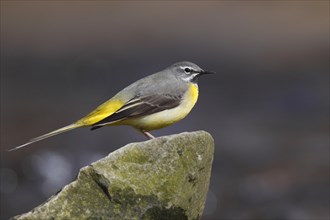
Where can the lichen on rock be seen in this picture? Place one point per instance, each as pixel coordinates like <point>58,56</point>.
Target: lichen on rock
<point>163,178</point>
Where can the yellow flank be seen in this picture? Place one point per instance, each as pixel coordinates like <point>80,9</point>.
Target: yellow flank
<point>101,112</point>
<point>167,117</point>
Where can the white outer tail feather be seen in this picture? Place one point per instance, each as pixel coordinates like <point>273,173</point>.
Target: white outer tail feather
<point>50,134</point>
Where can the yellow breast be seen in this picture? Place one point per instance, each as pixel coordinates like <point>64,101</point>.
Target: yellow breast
<point>167,117</point>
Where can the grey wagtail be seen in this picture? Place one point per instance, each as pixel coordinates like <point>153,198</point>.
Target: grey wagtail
<point>150,103</point>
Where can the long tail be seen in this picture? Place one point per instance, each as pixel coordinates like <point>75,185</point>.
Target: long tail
<point>50,134</point>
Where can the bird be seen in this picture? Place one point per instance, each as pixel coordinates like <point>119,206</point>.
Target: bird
<point>153,102</point>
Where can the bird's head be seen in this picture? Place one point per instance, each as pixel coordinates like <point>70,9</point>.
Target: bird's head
<point>188,71</point>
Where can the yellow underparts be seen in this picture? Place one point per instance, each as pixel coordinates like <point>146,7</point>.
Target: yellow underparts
<point>167,117</point>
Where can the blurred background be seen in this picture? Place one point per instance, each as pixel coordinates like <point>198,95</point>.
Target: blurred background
<point>267,107</point>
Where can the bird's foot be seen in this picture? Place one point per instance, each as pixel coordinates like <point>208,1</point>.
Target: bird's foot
<point>147,134</point>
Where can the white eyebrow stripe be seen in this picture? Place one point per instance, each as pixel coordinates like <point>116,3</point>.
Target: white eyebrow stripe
<point>184,67</point>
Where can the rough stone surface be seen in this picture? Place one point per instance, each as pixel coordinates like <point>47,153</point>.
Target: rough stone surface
<point>164,178</point>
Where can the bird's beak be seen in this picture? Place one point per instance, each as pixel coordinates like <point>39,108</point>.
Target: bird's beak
<point>205,72</point>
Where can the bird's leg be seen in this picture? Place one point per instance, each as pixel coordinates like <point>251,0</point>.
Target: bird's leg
<point>147,134</point>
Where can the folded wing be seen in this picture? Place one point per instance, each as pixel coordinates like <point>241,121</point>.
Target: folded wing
<point>140,106</point>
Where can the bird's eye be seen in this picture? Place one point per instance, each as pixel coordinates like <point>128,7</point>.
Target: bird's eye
<point>187,70</point>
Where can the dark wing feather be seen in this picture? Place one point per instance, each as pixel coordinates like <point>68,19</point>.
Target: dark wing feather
<point>141,106</point>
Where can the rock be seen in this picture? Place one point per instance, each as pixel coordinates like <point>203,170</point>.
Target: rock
<point>164,178</point>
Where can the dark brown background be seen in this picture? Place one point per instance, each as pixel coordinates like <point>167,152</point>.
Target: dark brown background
<point>267,107</point>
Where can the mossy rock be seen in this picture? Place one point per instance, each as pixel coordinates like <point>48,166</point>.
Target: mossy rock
<point>164,178</point>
